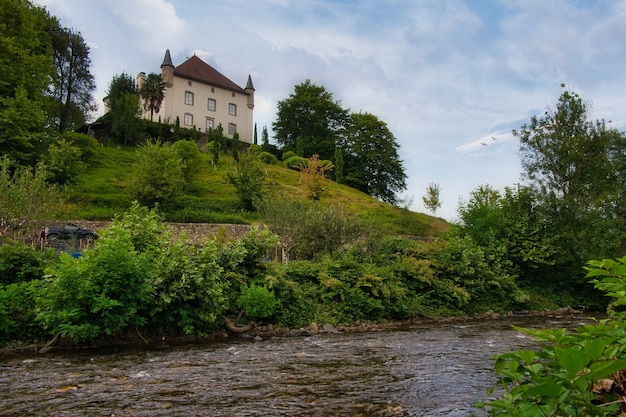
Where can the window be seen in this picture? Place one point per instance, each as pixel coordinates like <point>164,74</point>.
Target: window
<point>232,128</point>
<point>212,104</point>
<point>210,123</point>
<point>232,109</point>
<point>189,98</point>
<point>188,119</point>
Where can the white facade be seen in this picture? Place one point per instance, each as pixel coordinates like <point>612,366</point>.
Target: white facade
<point>203,98</point>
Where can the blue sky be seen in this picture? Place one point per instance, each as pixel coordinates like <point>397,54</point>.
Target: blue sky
<point>446,76</point>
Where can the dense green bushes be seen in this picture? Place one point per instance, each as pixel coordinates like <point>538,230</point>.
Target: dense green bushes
<point>138,278</point>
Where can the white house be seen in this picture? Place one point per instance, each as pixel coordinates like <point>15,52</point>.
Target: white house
<point>203,98</point>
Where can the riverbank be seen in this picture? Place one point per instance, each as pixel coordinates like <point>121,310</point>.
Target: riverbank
<point>260,333</point>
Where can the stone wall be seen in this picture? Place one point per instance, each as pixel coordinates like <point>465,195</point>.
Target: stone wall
<point>196,232</point>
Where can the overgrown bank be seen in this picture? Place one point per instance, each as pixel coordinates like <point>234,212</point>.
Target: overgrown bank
<point>139,280</point>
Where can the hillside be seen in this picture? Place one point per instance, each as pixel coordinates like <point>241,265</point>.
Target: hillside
<point>101,192</point>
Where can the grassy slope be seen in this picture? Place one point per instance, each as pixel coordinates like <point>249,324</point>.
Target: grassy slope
<point>101,192</point>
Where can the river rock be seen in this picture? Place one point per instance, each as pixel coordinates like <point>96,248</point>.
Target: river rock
<point>329,328</point>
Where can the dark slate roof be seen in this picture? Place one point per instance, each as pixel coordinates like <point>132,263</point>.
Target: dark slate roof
<point>249,84</point>
<point>196,69</point>
<point>167,60</point>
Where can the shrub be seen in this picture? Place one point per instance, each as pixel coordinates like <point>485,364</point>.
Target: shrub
<point>257,302</point>
<point>268,158</point>
<point>288,155</point>
<point>17,313</point>
<point>189,155</point>
<point>63,162</point>
<point>295,162</point>
<point>158,176</point>
<point>88,145</point>
<point>248,179</point>
<point>103,292</point>
<point>189,289</point>
<point>254,149</point>
<point>20,263</point>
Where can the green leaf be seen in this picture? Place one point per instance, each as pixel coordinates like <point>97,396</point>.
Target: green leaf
<point>545,390</point>
<point>595,347</point>
<point>604,369</point>
<point>573,360</point>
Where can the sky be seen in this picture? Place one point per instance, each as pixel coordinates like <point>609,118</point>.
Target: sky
<point>451,78</point>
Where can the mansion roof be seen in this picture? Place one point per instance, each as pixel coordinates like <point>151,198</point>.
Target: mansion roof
<point>196,69</point>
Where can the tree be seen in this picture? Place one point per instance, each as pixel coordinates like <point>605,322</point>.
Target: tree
<point>311,120</point>
<point>431,200</point>
<point>217,141</point>
<point>73,84</point>
<point>25,73</point>
<point>236,146</point>
<point>124,110</point>
<point>190,157</point>
<point>120,84</point>
<point>371,161</point>
<point>157,174</point>
<point>152,93</point>
<point>256,137</point>
<point>265,140</point>
<point>509,228</point>
<point>248,179</point>
<point>577,170</point>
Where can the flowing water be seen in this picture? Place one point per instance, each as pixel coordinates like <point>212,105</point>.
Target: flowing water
<point>430,370</point>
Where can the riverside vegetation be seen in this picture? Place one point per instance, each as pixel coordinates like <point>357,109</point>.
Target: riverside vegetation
<point>520,248</point>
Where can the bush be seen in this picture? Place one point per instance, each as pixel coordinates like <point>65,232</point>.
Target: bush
<point>63,162</point>
<point>88,145</point>
<point>257,302</point>
<point>295,162</point>
<point>17,313</point>
<point>189,289</point>
<point>254,149</point>
<point>189,155</point>
<point>20,263</point>
<point>104,292</point>
<point>268,158</point>
<point>158,175</point>
<point>287,155</point>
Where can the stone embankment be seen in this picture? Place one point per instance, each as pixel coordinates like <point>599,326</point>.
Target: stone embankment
<point>195,232</point>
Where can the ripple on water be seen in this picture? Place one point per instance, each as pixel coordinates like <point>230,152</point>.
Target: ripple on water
<point>427,371</point>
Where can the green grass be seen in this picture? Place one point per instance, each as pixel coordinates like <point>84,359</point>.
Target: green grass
<point>101,192</point>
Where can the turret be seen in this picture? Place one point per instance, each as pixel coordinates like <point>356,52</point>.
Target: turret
<point>250,90</point>
<point>141,78</point>
<point>167,70</point>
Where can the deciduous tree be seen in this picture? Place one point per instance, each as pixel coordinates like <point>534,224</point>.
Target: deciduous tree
<point>431,200</point>
<point>124,110</point>
<point>25,72</point>
<point>310,119</point>
<point>371,160</point>
<point>577,170</point>
<point>73,84</point>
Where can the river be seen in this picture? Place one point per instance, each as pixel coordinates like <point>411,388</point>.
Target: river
<point>425,370</point>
